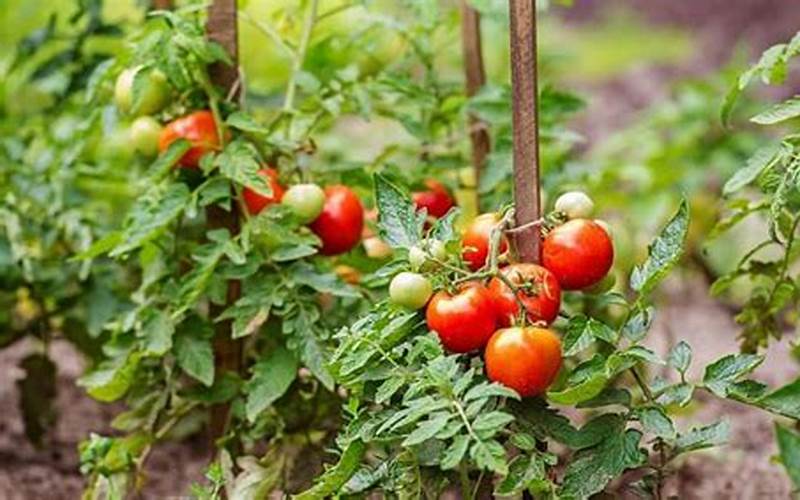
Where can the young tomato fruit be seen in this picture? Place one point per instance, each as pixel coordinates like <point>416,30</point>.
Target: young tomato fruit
<point>475,242</point>
<point>464,321</point>
<point>575,204</point>
<point>305,201</point>
<point>153,94</point>
<point>145,131</point>
<point>579,253</point>
<point>257,202</point>
<point>424,258</point>
<point>341,222</point>
<point>540,293</point>
<point>199,128</point>
<point>376,248</point>
<point>436,200</point>
<point>410,290</point>
<point>524,359</point>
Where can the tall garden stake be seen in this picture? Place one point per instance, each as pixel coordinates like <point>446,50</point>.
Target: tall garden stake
<point>221,27</point>
<point>475,77</point>
<point>526,130</point>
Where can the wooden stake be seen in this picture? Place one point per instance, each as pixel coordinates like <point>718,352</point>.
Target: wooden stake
<point>526,129</point>
<point>475,79</point>
<point>221,27</point>
<point>162,4</point>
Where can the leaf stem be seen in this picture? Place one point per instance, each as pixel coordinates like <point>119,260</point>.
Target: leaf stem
<point>300,55</point>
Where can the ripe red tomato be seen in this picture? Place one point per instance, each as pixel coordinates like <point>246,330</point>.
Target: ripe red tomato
<point>579,253</point>
<point>340,224</point>
<point>436,199</point>
<point>475,242</point>
<point>464,321</point>
<point>542,295</point>
<point>256,202</point>
<point>524,359</point>
<point>199,129</point>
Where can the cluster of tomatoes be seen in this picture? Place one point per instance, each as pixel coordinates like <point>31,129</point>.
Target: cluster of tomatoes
<point>520,351</point>
<point>335,214</point>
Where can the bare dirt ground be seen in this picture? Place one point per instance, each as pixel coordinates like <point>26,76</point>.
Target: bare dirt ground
<point>740,470</point>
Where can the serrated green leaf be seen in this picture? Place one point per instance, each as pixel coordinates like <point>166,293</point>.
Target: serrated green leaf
<point>490,455</point>
<point>521,472</point>
<point>111,379</point>
<point>399,224</point>
<point>455,452</point>
<point>426,430</point>
<point>727,370</point>
<point>581,332</point>
<point>756,164</point>
<point>780,112</point>
<point>783,401</point>
<point>487,389</point>
<point>239,163</point>
<point>272,377</point>
<point>593,468</point>
<point>494,420</point>
<point>715,434</point>
<point>157,330</point>
<point>195,356</point>
<point>663,252</point>
<point>388,388</point>
<point>656,422</point>
<point>680,356</point>
<point>583,391</point>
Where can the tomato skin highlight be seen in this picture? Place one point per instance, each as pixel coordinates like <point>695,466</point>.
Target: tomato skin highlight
<point>463,321</point>
<point>541,304</point>
<point>199,128</point>
<point>436,200</point>
<point>524,359</point>
<point>579,252</point>
<point>256,202</point>
<point>475,242</point>
<point>341,222</point>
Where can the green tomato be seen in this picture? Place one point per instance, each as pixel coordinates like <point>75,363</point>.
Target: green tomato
<point>116,146</point>
<point>145,132</point>
<point>305,200</point>
<point>410,290</point>
<point>421,259</point>
<point>153,95</point>
<point>575,204</point>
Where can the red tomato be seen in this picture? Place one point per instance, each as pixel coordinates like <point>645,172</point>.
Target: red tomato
<point>256,202</point>
<point>542,295</point>
<point>436,199</point>
<point>199,129</point>
<point>340,224</point>
<point>464,321</point>
<point>475,242</point>
<point>579,253</point>
<point>524,359</point>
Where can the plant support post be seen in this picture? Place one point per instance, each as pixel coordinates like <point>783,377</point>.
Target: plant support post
<point>475,77</point>
<point>221,27</point>
<point>526,129</point>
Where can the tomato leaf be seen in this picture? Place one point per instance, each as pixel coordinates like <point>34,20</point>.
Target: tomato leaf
<point>398,221</point>
<point>194,355</point>
<point>721,374</point>
<point>664,252</point>
<point>704,437</point>
<point>271,378</point>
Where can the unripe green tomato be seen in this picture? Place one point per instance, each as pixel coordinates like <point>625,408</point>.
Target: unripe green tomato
<point>575,204</point>
<point>116,146</point>
<point>145,132</point>
<point>410,290</point>
<point>437,250</point>
<point>154,92</point>
<point>305,200</point>
<point>417,257</point>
